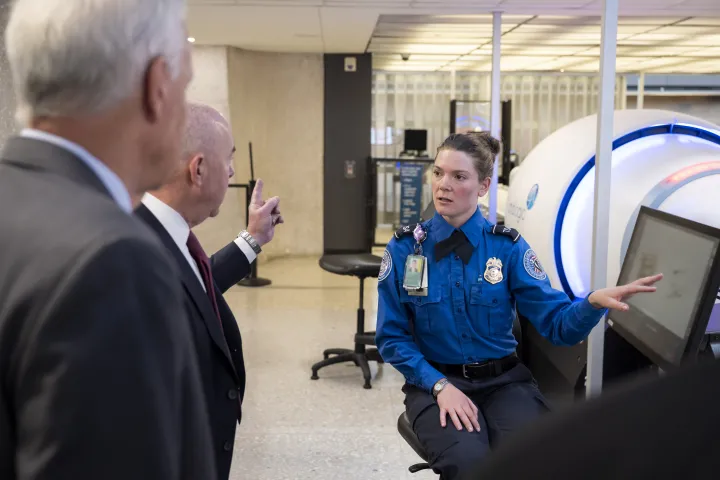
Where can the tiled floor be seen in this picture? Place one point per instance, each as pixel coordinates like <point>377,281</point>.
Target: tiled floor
<point>295,428</point>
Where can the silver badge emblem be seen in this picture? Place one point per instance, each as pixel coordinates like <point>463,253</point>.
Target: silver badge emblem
<point>493,272</point>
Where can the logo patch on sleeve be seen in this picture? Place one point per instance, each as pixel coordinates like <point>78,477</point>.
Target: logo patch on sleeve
<point>532,265</point>
<point>385,266</point>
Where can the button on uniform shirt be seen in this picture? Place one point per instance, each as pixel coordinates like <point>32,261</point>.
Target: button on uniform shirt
<point>467,315</point>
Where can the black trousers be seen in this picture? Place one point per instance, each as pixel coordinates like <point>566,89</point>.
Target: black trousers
<point>506,403</point>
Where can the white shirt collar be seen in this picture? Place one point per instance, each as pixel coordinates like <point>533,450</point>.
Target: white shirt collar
<point>108,178</point>
<point>173,222</point>
<point>176,226</point>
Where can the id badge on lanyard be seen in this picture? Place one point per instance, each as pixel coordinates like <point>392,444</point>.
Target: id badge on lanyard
<point>415,281</point>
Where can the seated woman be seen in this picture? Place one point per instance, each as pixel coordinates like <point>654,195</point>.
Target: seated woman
<point>447,326</point>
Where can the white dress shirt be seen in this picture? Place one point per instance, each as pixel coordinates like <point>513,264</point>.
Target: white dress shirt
<point>179,231</point>
<point>112,182</point>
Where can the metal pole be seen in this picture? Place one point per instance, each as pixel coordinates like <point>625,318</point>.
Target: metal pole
<point>603,166</point>
<point>452,84</point>
<point>495,110</point>
<point>641,91</point>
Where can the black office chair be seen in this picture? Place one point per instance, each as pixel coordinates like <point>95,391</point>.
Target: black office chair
<point>362,266</point>
<point>407,432</point>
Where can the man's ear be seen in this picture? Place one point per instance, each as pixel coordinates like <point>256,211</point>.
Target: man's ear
<point>156,88</point>
<point>197,169</point>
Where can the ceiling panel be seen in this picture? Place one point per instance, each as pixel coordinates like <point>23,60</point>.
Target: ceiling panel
<point>552,42</point>
<point>541,34</point>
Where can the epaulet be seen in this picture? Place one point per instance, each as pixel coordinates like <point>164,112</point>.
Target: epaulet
<point>507,231</point>
<point>403,231</point>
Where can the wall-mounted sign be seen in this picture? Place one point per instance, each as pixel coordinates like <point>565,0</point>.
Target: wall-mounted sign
<point>411,181</point>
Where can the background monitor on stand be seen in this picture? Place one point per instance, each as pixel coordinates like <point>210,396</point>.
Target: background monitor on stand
<point>415,142</point>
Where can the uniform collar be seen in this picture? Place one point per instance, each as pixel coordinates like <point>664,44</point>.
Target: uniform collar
<point>472,229</point>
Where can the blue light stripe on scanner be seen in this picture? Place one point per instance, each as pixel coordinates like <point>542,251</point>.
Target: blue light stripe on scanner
<point>668,128</point>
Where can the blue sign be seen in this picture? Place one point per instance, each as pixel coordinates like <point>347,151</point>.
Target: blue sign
<point>411,182</point>
<point>532,196</point>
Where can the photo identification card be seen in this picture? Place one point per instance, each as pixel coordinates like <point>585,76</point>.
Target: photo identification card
<point>414,270</point>
<point>416,276</point>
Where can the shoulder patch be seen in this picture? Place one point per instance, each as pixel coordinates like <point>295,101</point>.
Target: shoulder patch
<point>406,230</point>
<point>385,266</point>
<point>507,231</point>
<point>532,265</point>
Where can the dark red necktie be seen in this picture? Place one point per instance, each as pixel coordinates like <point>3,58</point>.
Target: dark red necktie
<point>203,263</point>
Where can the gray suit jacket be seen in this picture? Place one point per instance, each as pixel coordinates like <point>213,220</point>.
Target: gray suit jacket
<point>98,374</point>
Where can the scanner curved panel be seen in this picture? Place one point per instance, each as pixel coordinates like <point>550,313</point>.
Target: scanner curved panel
<point>551,195</point>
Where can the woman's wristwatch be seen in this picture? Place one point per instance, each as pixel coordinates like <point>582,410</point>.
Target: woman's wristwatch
<point>438,387</point>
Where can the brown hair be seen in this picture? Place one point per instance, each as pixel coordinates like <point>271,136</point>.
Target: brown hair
<point>480,146</point>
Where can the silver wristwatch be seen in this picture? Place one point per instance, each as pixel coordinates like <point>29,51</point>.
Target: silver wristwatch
<point>438,387</point>
<point>251,241</point>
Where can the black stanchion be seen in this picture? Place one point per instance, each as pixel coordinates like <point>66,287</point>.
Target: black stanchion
<point>252,280</point>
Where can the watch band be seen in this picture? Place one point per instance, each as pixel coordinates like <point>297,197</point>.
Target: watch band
<point>251,241</point>
<point>439,386</point>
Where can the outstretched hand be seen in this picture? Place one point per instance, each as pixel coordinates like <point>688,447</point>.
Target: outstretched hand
<point>263,216</point>
<point>613,297</point>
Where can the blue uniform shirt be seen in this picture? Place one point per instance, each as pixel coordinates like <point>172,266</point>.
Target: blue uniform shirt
<point>467,315</point>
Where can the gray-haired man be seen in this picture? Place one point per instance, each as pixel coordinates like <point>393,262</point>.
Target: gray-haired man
<point>98,374</point>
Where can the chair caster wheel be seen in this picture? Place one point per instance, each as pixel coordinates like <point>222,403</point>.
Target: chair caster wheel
<point>314,377</point>
<point>367,386</point>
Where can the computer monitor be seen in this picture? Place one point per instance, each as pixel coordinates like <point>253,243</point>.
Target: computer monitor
<point>415,141</point>
<point>667,326</point>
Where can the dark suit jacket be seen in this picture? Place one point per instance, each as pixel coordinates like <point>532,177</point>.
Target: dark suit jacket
<point>219,348</point>
<point>98,379</point>
<point>665,428</point>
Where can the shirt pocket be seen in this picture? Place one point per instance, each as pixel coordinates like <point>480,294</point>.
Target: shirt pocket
<point>491,308</point>
<point>425,308</point>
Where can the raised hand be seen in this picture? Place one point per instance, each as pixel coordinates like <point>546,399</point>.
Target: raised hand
<point>263,216</point>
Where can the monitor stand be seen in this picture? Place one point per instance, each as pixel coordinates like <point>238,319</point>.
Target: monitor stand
<point>710,346</point>
<point>622,360</point>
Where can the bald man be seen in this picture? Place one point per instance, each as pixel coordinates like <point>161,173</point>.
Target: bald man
<point>195,193</point>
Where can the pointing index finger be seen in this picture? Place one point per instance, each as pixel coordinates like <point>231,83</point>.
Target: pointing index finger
<point>257,193</point>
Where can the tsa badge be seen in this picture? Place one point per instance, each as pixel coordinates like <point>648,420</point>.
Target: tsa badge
<point>493,272</point>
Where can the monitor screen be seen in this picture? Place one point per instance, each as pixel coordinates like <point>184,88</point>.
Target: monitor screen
<point>660,323</point>
<point>415,140</point>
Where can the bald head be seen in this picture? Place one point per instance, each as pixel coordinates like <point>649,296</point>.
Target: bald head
<point>198,187</point>
<point>205,128</point>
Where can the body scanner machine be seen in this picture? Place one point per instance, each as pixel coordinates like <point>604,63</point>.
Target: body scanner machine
<point>664,160</point>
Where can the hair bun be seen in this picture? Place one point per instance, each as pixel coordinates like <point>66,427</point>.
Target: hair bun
<point>487,140</point>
